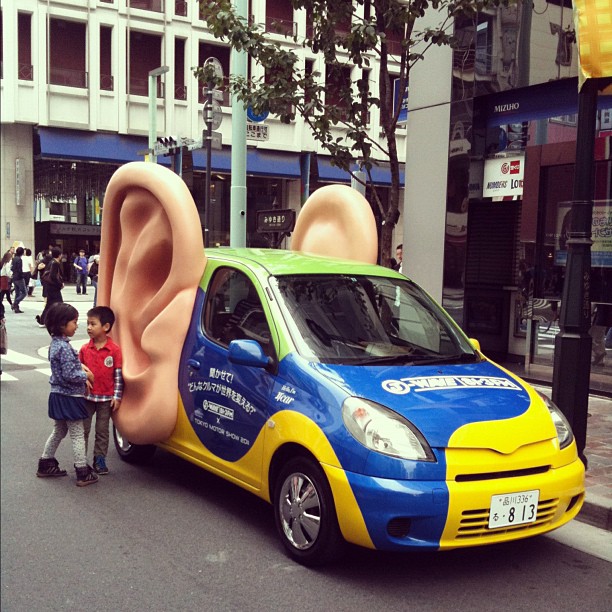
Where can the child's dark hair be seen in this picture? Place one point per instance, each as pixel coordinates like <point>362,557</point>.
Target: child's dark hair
<point>58,316</point>
<point>104,314</point>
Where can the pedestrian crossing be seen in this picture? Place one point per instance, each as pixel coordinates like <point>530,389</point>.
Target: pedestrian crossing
<point>28,363</point>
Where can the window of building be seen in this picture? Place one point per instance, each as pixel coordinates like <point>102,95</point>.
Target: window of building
<point>337,87</point>
<point>106,42</point>
<point>279,17</point>
<point>67,53</point>
<point>25,70</point>
<point>148,5</point>
<point>144,55</point>
<point>222,53</point>
<point>180,89</point>
<point>180,8</point>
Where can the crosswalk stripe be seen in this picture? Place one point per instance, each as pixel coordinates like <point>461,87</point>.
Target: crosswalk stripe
<point>21,359</point>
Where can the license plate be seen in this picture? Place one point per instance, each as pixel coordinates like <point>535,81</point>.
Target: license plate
<point>513,509</point>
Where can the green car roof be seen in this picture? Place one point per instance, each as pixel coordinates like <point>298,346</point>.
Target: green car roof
<point>279,262</point>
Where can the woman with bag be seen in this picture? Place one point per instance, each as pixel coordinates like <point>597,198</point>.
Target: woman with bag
<point>5,277</point>
<point>53,283</point>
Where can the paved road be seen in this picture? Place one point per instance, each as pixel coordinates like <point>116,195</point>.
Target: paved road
<point>172,537</point>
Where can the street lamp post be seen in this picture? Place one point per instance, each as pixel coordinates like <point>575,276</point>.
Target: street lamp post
<point>153,74</point>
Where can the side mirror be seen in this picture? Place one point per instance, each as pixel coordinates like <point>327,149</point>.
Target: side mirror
<point>475,344</point>
<point>248,353</point>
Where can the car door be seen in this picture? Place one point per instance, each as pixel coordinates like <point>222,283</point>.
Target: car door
<point>229,404</point>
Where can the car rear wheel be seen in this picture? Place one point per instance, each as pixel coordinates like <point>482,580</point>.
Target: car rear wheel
<point>305,513</point>
<point>132,453</point>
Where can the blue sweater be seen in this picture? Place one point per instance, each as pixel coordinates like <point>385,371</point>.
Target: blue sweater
<point>67,375</point>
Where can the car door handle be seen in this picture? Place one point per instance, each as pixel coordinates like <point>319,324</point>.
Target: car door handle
<point>194,363</point>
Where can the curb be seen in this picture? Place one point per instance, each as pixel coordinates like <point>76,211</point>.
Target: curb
<point>596,511</point>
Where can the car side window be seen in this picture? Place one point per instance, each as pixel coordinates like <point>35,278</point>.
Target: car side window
<point>234,311</point>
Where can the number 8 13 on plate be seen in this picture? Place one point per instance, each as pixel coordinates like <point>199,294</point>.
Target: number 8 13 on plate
<point>513,509</point>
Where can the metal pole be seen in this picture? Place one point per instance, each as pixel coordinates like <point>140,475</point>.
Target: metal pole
<point>238,190</point>
<point>572,364</point>
<point>153,74</point>
<point>208,139</point>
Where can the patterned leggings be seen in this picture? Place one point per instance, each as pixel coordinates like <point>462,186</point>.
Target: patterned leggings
<point>77,436</point>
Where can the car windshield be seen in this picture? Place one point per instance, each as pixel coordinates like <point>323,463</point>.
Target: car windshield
<point>368,320</point>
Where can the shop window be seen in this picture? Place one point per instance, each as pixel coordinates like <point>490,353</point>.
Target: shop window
<point>106,75</point>
<point>144,56</point>
<point>67,53</point>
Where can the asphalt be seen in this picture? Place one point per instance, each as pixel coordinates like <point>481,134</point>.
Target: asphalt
<point>597,509</point>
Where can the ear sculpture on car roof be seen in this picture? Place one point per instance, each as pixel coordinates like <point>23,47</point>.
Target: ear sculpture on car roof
<point>152,261</point>
<point>337,221</point>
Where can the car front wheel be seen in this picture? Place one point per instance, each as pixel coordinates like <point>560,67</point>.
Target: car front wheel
<point>132,453</point>
<point>305,513</point>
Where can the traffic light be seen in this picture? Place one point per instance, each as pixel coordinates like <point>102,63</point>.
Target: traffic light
<point>169,145</point>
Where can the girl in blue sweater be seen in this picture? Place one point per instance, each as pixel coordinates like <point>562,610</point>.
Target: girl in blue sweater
<point>69,381</point>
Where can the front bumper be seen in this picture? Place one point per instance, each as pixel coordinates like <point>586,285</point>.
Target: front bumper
<point>402,514</point>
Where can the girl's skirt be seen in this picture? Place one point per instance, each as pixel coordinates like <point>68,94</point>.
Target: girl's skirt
<point>67,407</point>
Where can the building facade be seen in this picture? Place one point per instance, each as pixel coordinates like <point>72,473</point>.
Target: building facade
<point>75,105</point>
<point>487,203</point>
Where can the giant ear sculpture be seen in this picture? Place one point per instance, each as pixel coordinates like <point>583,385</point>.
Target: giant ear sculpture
<point>151,262</point>
<point>337,221</point>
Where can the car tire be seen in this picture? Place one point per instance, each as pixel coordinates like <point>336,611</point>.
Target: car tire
<point>305,514</point>
<point>132,453</point>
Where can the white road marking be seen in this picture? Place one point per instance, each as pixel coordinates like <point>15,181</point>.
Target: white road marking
<point>21,359</point>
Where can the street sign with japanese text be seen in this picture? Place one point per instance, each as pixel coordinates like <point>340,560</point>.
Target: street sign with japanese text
<point>257,131</point>
<point>278,220</point>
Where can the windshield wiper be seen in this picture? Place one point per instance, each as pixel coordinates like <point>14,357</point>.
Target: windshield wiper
<point>411,359</point>
<point>459,358</point>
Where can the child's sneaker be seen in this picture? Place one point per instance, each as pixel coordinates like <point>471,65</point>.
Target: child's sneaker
<point>100,465</point>
<point>49,468</point>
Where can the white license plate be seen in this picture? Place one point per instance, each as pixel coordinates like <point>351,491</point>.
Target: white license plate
<point>513,509</point>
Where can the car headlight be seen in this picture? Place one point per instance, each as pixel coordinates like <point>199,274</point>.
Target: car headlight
<point>564,429</point>
<point>384,431</point>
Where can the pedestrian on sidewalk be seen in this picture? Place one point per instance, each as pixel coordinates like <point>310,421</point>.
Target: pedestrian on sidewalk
<point>93,267</point>
<point>18,280</point>
<point>103,357</point>
<point>53,283</point>
<point>69,382</point>
<point>5,277</point>
<point>80,265</point>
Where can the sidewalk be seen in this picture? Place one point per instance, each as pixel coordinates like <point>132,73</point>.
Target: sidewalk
<point>597,509</point>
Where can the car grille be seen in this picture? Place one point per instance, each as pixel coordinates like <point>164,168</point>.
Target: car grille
<point>474,523</point>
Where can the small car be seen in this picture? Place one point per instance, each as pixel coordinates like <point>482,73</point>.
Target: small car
<point>335,389</point>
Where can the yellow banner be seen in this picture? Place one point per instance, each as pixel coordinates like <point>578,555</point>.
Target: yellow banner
<point>593,20</point>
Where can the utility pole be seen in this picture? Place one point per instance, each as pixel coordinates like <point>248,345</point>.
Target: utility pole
<point>238,199</point>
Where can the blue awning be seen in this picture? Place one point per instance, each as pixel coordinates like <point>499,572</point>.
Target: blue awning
<point>77,145</point>
<point>332,174</point>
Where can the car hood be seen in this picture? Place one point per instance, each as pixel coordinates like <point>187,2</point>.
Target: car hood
<point>477,405</point>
